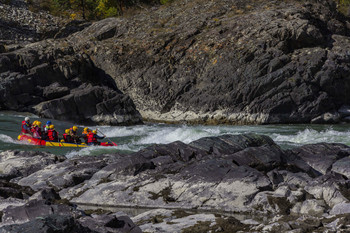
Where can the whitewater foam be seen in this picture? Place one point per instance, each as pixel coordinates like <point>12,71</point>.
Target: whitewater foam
<point>91,150</point>
<point>16,114</point>
<point>8,139</point>
<point>309,136</point>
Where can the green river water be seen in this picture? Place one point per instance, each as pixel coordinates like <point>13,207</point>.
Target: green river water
<point>134,138</point>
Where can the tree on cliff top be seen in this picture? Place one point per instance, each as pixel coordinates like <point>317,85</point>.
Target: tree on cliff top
<point>89,9</point>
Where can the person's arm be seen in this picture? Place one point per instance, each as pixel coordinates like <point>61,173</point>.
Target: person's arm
<point>26,127</point>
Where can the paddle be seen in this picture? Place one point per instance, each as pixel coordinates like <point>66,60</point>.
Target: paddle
<point>105,136</point>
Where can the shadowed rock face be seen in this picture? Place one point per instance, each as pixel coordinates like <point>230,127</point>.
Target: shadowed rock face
<point>242,173</point>
<point>61,84</point>
<point>228,62</point>
<point>193,61</point>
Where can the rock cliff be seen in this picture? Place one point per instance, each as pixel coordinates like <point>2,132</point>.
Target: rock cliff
<point>195,61</point>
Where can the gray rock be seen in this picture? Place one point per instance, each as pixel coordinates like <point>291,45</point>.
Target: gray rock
<point>331,188</point>
<point>50,223</point>
<point>344,110</point>
<point>310,207</point>
<point>32,210</point>
<point>109,223</point>
<point>321,156</point>
<point>326,118</point>
<point>193,62</point>
<point>341,208</point>
<point>211,183</point>
<point>74,89</point>
<point>20,164</point>
<point>264,158</point>
<point>66,174</point>
<point>341,166</point>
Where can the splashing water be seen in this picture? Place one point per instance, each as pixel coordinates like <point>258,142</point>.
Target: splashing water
<point>134,138</point>
<point>309,136</point>
<point>8,139</point>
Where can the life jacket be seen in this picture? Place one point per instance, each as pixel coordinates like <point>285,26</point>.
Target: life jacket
<point>52,135</point>
<point>72,131</point>
<point>67,138</point>
<point>85,134</point>
<point>25,130</point>
<point>38,129</point>
<point>91,138</point>
<point>37,132</point>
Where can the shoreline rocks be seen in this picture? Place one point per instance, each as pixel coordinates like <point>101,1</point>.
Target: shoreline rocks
<point>186,185</point>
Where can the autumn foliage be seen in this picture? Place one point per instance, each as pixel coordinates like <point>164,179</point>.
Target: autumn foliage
<point>90,9</point>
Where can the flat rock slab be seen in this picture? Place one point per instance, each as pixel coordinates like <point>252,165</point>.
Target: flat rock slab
<point>342,167</point>
<point>321,156</point>
<point>18,164</point>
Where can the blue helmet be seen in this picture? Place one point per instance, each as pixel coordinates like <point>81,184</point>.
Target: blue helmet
<point>48,122</point>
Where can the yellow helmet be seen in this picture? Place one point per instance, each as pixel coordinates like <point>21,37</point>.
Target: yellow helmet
<point>52,126</point>
<point>86,129</point>
<point>94,131</point>
<point>34,123</point>
<point>75,128</point>
<point>67,131</point>
<point>38,123</point>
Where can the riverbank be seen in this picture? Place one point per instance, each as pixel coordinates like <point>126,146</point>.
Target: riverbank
<point>302,189</point>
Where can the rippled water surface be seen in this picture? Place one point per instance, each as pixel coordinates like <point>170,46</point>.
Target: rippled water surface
<point>134,138</point>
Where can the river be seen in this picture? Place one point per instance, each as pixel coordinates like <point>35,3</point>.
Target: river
<point>135,138</point>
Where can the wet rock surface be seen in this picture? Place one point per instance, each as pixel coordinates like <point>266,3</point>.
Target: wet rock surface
<point>190,187</point>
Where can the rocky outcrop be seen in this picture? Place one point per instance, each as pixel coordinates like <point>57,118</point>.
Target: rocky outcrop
<point>20,26</point>
<point>60,84</point>
<point>50,78</point>
<point>305,188</point>
<point>200,62</point>
<point>228,62</point>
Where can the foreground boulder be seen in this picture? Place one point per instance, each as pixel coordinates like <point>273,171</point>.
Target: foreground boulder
<point>243,173</point>
<point>21,164</point>
<point>247,174</point>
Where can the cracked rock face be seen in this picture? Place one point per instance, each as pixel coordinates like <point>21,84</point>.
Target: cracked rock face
<point>231,173</point>
<point>211,62</point>
<point>56,83</point>
<point>247,174</point>
<point>225,62</point>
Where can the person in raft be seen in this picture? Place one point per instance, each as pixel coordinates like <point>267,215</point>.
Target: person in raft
<point>67,137</point>
<point>47,126</point>
<point>52,134</point>
<point>36,129</point>
<point>85,134</point>
<point>73,132</point>
<point>26,126</point>
<point>92,138</point>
